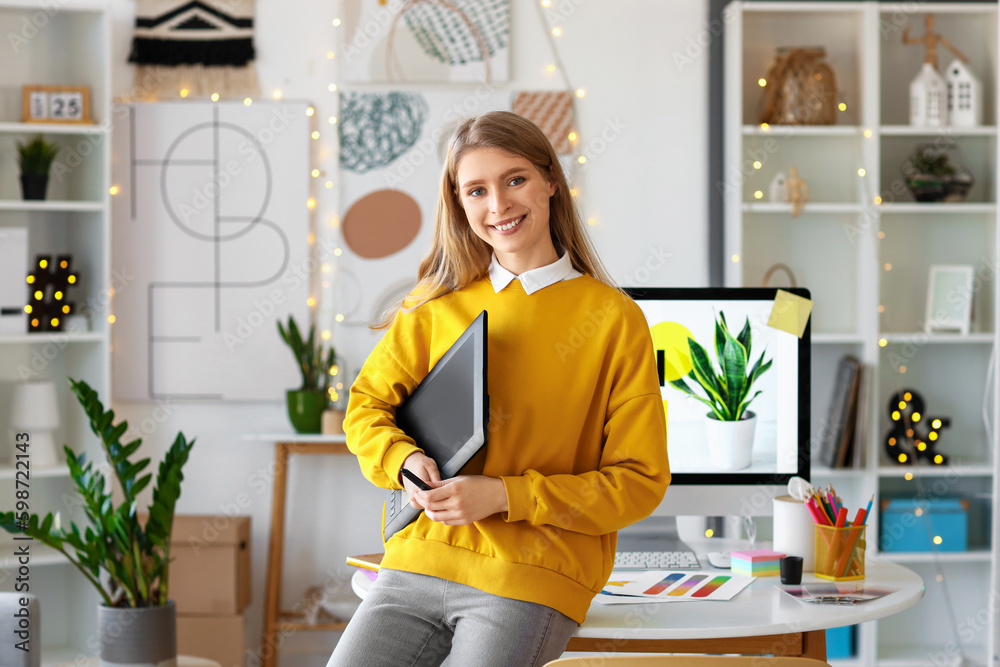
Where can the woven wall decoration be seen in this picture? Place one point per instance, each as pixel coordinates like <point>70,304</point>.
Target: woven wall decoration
<point>203,46</point>
<point>552,112</point>
<point>443,29</point>
<point>376,128</point>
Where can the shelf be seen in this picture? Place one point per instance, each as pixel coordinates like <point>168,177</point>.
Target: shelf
<point>908,131</point>
<point>922,338</point>
<point>53,337</point>
<point>785,131</point>
<point>943,209</point>
<point>974,556</point>
<point>836,338</point>
<point>52,128</point>
<point>823,471</point>
<point>68,206</point>
<point>918,655</point>
<point>808,208</point>
<point>973,470</point>
<point>60,470</point>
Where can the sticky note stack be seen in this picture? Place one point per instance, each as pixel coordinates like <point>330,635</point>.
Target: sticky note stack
<point>757,563</point>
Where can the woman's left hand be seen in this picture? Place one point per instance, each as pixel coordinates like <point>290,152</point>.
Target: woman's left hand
<point>464,499</point>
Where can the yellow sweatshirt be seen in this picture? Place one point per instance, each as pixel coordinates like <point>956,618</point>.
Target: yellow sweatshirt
<point>577,434</point>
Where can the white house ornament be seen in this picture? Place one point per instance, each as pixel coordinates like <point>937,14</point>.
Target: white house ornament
<point>928,98</point>
<point>965,108</point>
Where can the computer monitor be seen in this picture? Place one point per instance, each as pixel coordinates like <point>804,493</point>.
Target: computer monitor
<point>707,485</point>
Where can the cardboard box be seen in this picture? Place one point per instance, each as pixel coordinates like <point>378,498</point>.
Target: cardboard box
<point>210,570</point>
<point>910,524</point>
<point>218,638</point>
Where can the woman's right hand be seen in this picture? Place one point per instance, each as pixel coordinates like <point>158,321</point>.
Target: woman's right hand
<point>423,467</point>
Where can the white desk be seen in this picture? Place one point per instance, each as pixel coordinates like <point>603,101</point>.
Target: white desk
<point>760,620</point>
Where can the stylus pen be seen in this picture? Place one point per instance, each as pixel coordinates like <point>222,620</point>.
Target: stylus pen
<point>417,482</point>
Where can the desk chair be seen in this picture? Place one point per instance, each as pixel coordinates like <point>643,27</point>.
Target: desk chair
<point>685,661</point>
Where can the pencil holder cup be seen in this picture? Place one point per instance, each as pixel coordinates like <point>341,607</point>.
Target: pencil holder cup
<point>840,553</point>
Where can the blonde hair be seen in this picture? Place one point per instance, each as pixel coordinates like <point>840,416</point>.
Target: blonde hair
<point>457,256</point>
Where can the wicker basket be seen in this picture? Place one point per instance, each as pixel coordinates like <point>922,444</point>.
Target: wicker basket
<point>801,89</point>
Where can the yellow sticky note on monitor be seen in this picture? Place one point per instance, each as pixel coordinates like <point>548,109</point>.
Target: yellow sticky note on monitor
<point>790,313</point>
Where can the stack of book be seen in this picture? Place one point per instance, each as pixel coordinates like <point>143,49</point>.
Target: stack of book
<point>844,430</point>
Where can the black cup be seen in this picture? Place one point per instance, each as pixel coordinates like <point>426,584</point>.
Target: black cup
<point>791,570</point>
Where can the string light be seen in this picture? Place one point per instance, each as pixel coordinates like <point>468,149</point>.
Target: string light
<point>113,190</point>
<point>339,317</point>
<point>580,92</point>
<point>882,342</point>
<point>888,266</point>
<point>842,106</point>
<point>591,221</point>
<point>761,82</point>
<point>310,111</point>
<point>332,87</point>
<point>551,69</point>
<point>247,101</point>
<point>336,23</point>
<point>757,164</point>
<point>556,31</point>
<point>582,159</point>
<point>736,259</point>
<point>757,195</point>
<point>333,120</point>
<point>868,134</point>
<point>330,55</point>
<point>111,319</point>
<point>184,92</point>
<point>276,94</point>
<point>311,302</point>
<point>215,97</point>
<point>315,135</point>
<point>861,172</point>
<point>326,334</point>
<point>328,185</point>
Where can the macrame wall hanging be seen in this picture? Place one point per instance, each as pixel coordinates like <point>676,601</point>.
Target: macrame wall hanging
<point>200,47</point>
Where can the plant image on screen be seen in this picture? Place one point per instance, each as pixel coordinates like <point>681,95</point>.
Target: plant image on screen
<point>727,393</point>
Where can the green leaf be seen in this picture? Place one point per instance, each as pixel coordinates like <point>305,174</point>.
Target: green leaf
<point>734,366</point>
<point>704,374</point>
<point>745,335</point>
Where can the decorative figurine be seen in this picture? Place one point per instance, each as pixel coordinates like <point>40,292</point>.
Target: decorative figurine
<point>913,436</point>
<point>777,189</point>
<point>929,90</point>
<point>965,108</point>
<point>796,191</point>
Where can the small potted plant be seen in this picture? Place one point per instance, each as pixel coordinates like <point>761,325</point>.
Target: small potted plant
<point>931,176</point>
<point>34,158</point>
<point>126,562</point>
<point>730,426</point>
<point>307,403</point>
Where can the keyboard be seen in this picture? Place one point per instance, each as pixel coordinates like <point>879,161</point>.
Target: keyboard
<point>656,560</point>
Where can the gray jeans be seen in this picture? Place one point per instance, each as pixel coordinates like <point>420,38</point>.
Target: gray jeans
<point>411,619</point>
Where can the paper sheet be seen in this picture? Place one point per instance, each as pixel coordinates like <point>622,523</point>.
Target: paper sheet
<point>790,313</point>
<point>671,586</point>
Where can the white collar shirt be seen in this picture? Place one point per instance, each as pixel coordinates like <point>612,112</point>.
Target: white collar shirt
<point>535,279</point>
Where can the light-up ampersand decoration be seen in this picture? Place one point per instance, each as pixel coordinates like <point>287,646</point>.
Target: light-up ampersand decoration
<point>913,436</point>
<point>48,284</point>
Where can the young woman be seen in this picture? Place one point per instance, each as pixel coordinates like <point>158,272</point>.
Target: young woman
<point>501,566</point>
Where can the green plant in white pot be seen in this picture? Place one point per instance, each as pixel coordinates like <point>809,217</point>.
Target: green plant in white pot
<point>307,403</point>
<point>730,425</point>
<point>128,563</point>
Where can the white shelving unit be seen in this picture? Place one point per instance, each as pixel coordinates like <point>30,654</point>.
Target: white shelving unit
<point>863,246</point>
<point>70,46</point>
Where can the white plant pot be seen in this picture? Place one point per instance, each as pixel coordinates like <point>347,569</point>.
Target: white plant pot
<point>730,444</point>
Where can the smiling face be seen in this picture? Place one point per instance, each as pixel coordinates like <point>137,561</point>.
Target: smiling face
<point>506,200</point>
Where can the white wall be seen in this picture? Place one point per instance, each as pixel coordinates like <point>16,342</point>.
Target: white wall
<point>646,189</point>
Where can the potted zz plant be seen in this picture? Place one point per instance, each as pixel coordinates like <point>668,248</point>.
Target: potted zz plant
<point>127,563</point>
<point>306,404</point>
<point>34,158</point>
<point>730,426</point>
